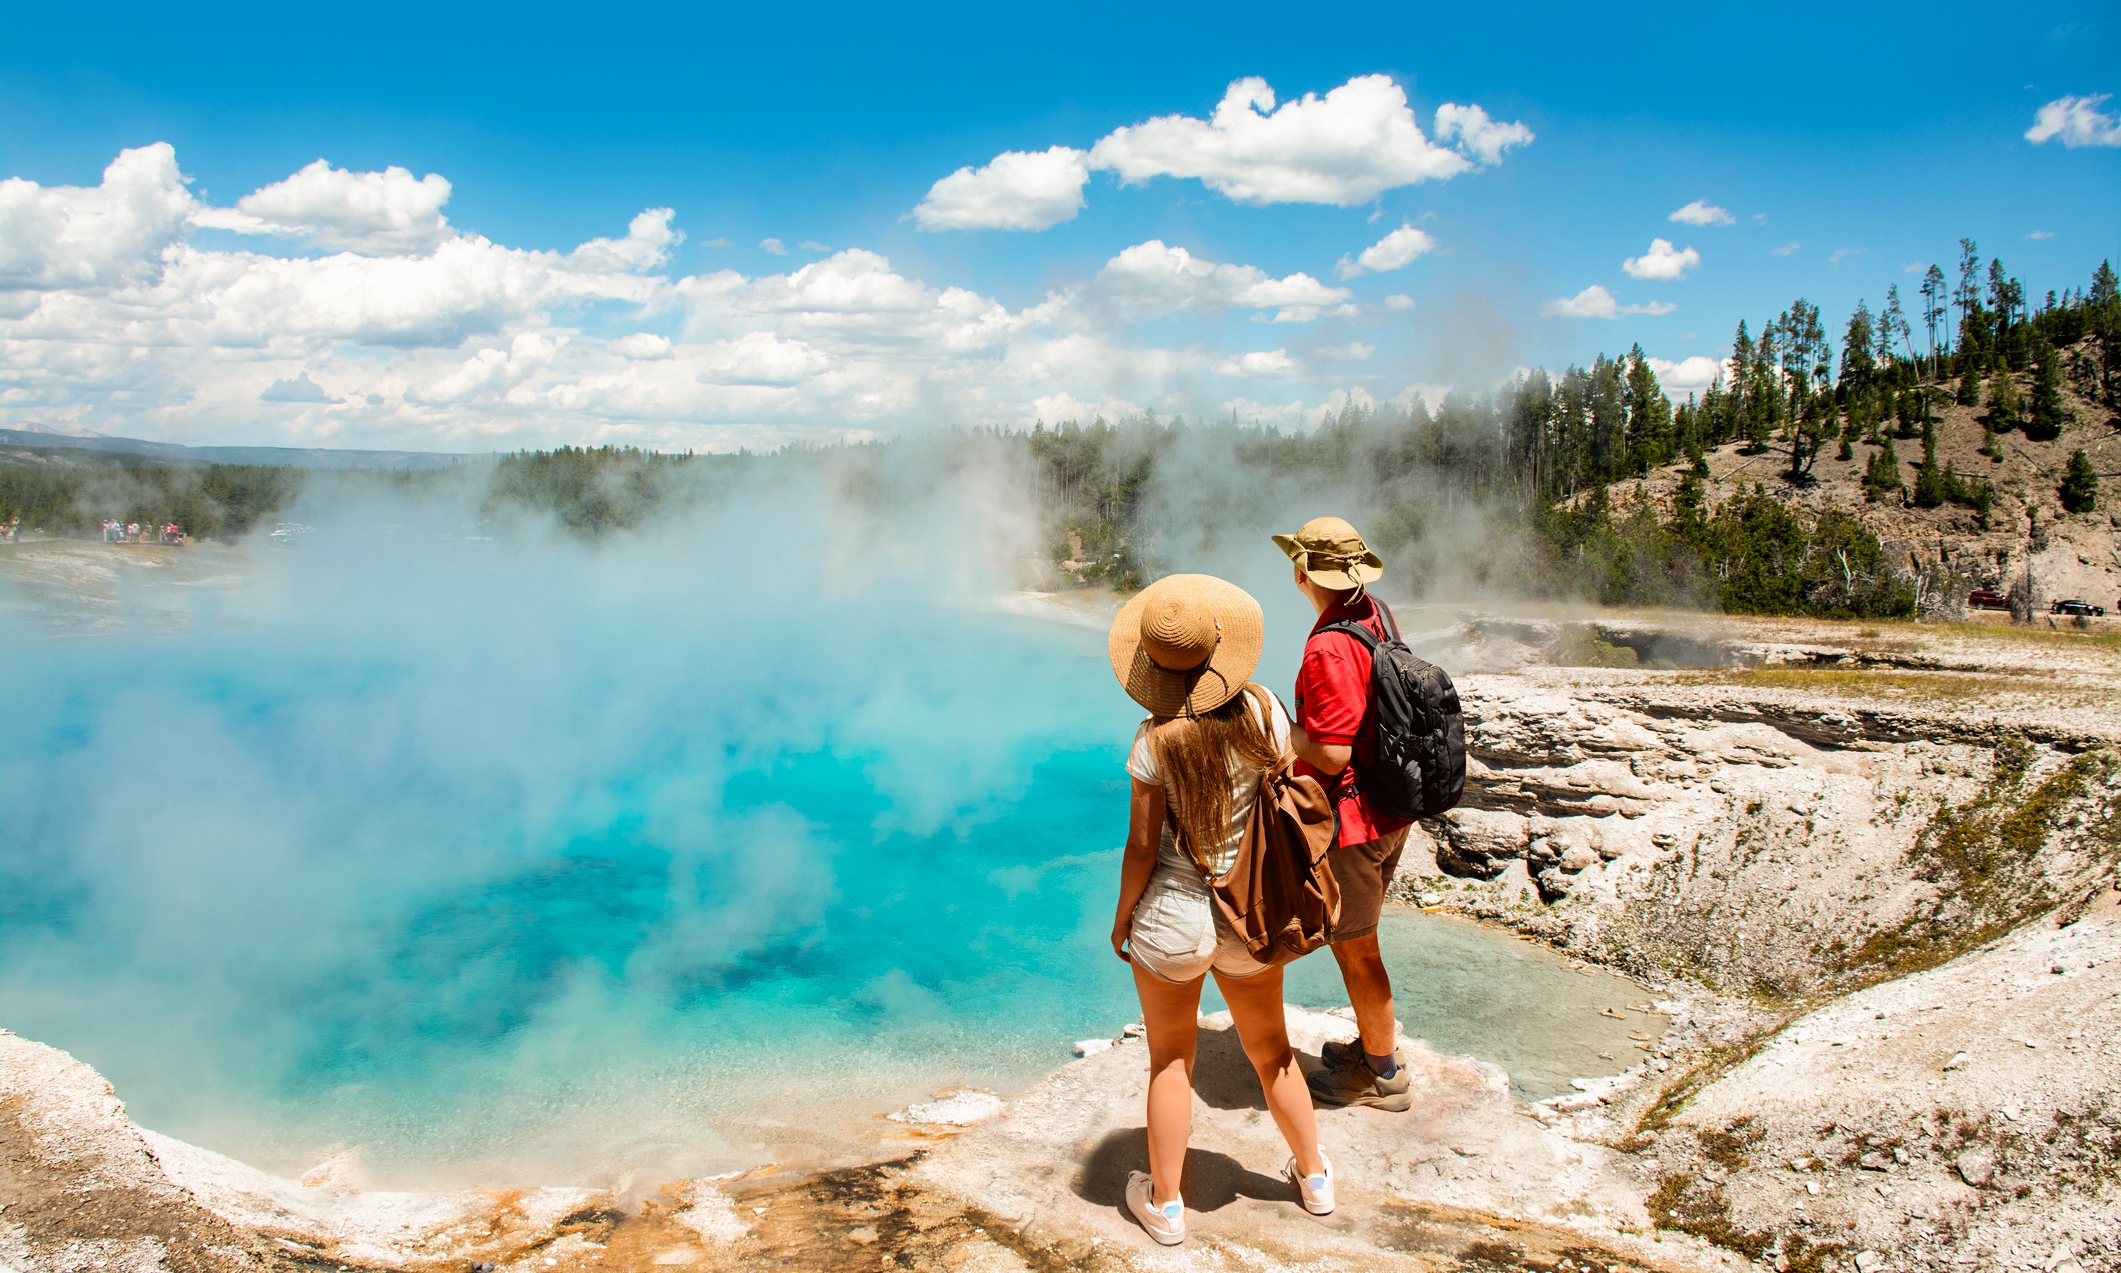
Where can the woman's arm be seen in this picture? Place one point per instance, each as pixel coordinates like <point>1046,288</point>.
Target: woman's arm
<point>1145,830</point>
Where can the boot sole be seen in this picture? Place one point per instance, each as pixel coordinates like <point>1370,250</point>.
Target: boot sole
<point>1397,1103</point>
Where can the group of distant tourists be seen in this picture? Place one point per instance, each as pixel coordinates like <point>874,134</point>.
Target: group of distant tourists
<point>116,532</point>
<point>1257,834</point>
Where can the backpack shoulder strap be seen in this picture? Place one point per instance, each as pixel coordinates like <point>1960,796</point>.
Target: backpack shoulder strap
<point>1356,630</point>
<point>1391,621</point>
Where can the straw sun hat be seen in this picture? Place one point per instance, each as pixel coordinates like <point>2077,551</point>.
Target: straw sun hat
<point>1332,554</point>
<point>1187,644</point>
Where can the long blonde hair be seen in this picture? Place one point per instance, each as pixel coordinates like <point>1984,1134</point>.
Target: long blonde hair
<point>1194,755</point>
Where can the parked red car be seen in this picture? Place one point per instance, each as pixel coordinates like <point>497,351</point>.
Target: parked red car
<point>1984,599</point>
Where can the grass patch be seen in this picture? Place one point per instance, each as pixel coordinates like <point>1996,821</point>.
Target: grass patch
<point>1984,854</point>
<point>1882,683</point>
<point>2038,633</point>
<point>1695,1206</point>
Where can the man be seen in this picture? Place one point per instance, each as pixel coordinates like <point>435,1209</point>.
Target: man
<point>1335,737</point>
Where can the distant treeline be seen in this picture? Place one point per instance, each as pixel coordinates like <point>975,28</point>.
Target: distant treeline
<point>1537,455</point>
<point>209,501</point>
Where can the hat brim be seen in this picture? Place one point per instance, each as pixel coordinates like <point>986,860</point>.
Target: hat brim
<point>1368,568</point>
<point>1203,689</point>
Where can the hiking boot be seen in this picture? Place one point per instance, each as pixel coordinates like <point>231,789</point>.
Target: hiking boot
<point>1316,1192</point>
<point>1167,1224</point>
<point>1347,1079</point>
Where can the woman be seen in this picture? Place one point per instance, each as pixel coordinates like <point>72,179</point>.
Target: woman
<point>1185,648</point>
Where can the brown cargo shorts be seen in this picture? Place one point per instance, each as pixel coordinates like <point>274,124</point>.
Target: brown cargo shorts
<point>1363,871</point>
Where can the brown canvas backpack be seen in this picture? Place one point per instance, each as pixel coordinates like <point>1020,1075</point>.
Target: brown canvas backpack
<point>1279,896</point>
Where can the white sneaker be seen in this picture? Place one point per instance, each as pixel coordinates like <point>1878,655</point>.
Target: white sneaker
<point>1316,1191</point>
<point>1167,1224</point>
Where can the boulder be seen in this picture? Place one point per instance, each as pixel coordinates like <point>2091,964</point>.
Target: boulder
<point>1479,842</point>
<point>1553,885</point>
<point>1577,858</point>
<point>1976,1166</point>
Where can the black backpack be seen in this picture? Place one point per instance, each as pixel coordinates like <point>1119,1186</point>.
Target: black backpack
<point>1420,766</point>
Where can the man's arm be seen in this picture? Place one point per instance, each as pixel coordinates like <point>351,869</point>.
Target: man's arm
<point>1326,758</point>
<point>1329,701</point>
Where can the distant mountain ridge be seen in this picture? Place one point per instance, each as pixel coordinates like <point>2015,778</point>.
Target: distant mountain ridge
<point>282,456</point>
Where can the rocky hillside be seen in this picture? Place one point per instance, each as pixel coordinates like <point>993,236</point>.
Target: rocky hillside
<point>2072,555</point>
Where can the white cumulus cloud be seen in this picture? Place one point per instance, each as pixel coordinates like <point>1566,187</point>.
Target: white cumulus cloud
<point>387,213</point>
<point>1345,148</point>
<point>94,236</point>
<point>1596,302</point>
<point>761,358</point>
<point>113,318</point>
<point>1688,375</point>
<point>648,243</point>
<point>640,347</point>
<point>1702,212</point>
<point>1151,278</point>
<point>1662,262</point>
<point>1260,362</point>
<point>1019,190</point>
<point>1481,139</point>
<point>1399,302</point>
<point>299,389</point>
<point>774,246</point>
<point>2075,122</point>
<point>1394,251</point>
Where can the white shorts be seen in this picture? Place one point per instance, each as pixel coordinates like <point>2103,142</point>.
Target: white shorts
<point>1176,935</point>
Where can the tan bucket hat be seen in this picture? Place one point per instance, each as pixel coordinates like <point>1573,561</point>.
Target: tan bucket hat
<point>1332,554</point>
<point>1187,644</point>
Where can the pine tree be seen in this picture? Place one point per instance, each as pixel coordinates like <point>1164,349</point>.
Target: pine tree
<point>1856,342</point>
<point>1882,474</point>
<point>2049,415</point>
<point>2004,403</point>
<point>1892,322</point>
<point>1933,309</point>
<point>1969,381</point>
<point>1967,296</point>
<point>2104,305</point>
<point>1929,479</point>
<point>2080,484</point>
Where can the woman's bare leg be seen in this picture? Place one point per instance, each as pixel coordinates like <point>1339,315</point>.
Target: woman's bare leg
<point>1172,1015</point>
<point>1255,1006</point>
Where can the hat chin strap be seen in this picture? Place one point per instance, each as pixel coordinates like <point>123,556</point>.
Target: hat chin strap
<point>1194,673</point>
<point>1346,567</point>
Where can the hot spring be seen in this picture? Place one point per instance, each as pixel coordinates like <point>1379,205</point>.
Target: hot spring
<point>553,864</point>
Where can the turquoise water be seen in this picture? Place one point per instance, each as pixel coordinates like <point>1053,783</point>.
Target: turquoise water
<point>565,866</point>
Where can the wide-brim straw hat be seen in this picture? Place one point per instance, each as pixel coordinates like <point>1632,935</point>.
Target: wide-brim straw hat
<point>1187,644</point>
<point>1332,554</point>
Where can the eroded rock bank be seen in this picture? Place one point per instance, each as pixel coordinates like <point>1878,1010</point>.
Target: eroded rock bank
<point>1895,898</point>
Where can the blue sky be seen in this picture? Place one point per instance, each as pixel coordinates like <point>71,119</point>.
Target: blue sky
<point>356,308</point>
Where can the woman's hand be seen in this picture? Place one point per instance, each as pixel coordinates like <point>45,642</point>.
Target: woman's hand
<point>1145,820</point>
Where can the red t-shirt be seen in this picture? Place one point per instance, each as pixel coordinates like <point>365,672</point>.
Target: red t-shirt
<point>1333,707</point>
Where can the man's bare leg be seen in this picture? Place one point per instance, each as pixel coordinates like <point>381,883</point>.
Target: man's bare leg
<point>1362,968</point>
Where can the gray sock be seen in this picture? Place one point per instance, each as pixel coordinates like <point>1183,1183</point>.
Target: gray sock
<point>1384,1066</point>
